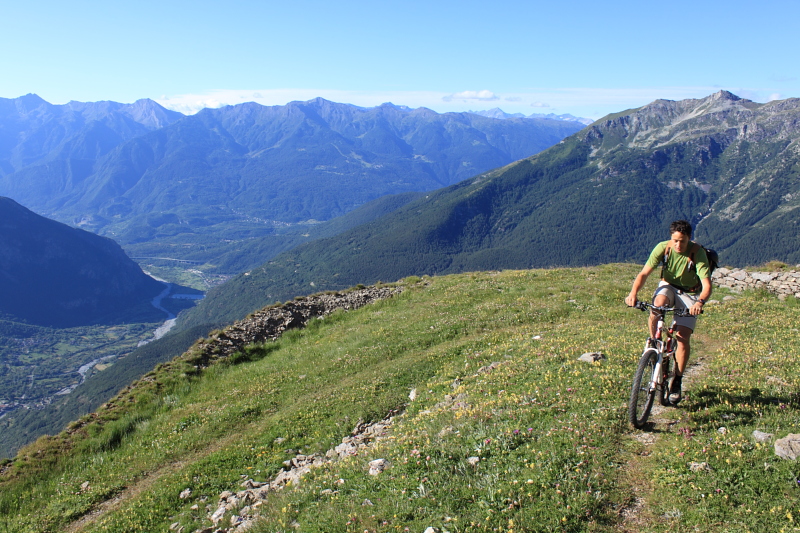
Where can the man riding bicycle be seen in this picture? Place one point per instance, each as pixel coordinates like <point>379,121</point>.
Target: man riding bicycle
<point>685,273</point>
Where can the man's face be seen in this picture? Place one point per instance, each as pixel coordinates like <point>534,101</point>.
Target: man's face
<point>680,242</point>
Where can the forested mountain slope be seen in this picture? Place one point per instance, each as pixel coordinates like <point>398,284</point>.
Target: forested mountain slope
<point>604,194</point>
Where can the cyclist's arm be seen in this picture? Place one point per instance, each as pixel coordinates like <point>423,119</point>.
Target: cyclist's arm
<point>705,294</point>
<point>638,283</point>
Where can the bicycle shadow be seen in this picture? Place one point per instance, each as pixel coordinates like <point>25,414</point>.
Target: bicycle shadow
<point>715,404</point>
<point>738,409</point>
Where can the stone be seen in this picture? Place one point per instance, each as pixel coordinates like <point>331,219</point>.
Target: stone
<point>699,467</point>
<point>592,357</point>
<point>377,466</point>
<point>185,493</point>
<point>85,487</point>
<point>788,447</point>
<point>218,514</point>
<point>762,276</point>
<point>412,395</point>
<point>473,461</point>
<point>447,430</point>
<point>489,368</point>
<point>739,275</point>
<point>250,484</point>
<point>723,430</point>
<point>432,530</point>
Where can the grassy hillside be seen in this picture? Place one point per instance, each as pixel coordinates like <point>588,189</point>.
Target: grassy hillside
<point>554,451</point>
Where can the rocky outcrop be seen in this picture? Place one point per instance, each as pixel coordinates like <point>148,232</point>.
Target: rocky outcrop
<point>270,322</point>
<point>781,283</point>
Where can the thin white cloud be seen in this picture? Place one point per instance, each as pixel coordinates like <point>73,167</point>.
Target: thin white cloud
<point>586,102</point>
<point>483,96</point>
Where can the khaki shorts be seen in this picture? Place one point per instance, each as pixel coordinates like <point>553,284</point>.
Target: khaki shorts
<point>679,299</point>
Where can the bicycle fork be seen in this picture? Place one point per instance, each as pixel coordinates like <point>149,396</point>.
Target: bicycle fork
<point>658,377</point>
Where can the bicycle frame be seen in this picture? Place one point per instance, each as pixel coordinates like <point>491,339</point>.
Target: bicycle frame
<point>664,344</point>
<point>652,372</point>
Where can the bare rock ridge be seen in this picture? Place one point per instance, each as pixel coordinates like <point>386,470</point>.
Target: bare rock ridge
<point>269,323</point>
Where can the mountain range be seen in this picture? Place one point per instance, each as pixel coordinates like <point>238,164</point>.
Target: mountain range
<point>605,194</point>
<point>145,175</point>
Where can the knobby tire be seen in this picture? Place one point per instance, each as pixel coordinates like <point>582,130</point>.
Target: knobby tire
<point>641,401</point>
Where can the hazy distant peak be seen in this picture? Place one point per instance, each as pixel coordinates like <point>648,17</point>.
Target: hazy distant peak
<point>395,106</point>
<point>500,114</point>
<point>29,102</point>
<point>150,114</point>
<point>497,113</point>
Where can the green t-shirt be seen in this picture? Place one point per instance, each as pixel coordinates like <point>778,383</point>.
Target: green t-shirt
<point>677,271</point>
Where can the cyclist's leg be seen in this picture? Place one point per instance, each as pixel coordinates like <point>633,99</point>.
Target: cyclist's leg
<point>683,332</point>
<point>663,297</point>
<point>683,336</point>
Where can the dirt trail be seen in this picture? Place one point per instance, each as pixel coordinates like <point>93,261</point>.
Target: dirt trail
<point>634,515</point>
<point>141,485</point>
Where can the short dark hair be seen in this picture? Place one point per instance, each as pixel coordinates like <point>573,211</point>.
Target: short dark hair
<point>681,226</point>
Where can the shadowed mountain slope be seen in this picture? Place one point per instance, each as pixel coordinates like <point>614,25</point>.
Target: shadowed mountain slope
<point>55,275</point>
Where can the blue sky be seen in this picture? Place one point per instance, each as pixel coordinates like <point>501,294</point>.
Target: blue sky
<point>579,57</point>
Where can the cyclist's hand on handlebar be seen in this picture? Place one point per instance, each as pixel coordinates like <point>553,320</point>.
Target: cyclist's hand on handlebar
<point>630,300</point>
<point>696,309</point>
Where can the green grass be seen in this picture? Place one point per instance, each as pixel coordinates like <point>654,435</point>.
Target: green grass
<point>549,430</point>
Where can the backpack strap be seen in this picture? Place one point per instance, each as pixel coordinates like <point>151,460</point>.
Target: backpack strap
<point>694,249</point>
<point>665,258</point>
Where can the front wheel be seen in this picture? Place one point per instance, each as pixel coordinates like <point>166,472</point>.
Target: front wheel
<point>642,395</point>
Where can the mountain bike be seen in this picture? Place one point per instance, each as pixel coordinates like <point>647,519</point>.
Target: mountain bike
<point>652,378</point>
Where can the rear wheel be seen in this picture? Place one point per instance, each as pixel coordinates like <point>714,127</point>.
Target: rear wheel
<point>641,395</point>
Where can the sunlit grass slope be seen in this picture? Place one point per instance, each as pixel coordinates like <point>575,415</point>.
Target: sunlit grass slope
<point>555,451</point>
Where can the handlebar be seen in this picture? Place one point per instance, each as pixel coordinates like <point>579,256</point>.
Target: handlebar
<point>644,306</point>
